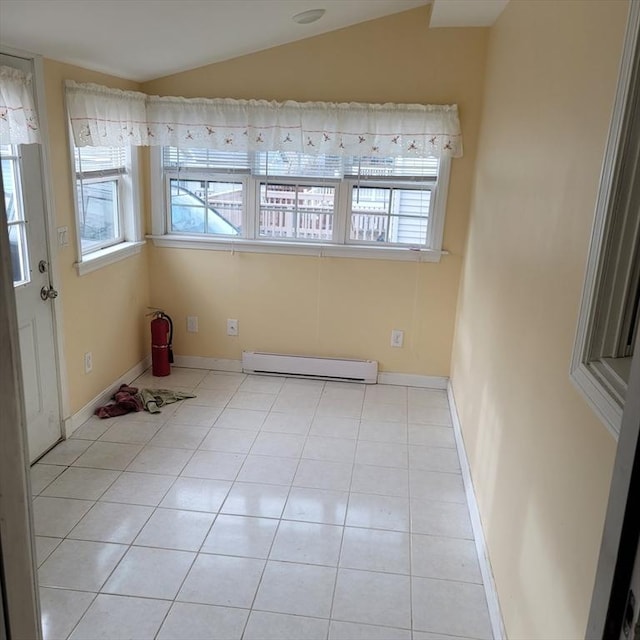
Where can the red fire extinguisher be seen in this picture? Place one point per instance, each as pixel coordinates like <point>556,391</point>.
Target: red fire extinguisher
<point>161,344</point>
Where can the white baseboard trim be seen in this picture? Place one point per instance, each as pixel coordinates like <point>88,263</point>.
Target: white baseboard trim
<point>493,603</point>
<point>215,364</point>
<point>79,418</point>
<point>413,380</point>
<point>384,377</point>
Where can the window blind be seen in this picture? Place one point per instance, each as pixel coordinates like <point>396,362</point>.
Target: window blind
<point>175,158</point>
<point>297,165</point>
<point>97,162</point>
<point>290,164</point>
<point>367,168</point>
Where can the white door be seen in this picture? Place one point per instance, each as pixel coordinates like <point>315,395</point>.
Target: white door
<point>25,205</point>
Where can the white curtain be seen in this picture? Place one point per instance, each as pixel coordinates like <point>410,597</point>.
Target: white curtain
<point>313,127</point>
<point>102,116</point>
<point>18,117</point>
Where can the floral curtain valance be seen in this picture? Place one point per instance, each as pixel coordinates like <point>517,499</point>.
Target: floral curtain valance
<point>107,117</point>
<point>103,117</point>
<point>18,117</point>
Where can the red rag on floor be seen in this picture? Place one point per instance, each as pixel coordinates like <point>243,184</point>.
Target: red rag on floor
<point>126,401</point>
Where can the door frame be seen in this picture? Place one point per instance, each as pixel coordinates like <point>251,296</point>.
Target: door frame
<point>51,233</point>
<point>622,524</point>
<point>621,531</point>
<point>21,608</point>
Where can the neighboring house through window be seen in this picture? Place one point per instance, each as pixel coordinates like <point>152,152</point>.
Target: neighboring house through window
<point>287,197</point>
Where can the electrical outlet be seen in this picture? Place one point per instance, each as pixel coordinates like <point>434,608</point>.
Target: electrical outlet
<point>397,337</point>
<point>88,362</point>
<point>192,324</point>
<point>232,327</point>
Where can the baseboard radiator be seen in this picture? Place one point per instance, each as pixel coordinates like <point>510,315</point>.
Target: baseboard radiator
<point>309,367</point>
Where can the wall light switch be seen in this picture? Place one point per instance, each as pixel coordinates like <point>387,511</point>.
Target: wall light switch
<point>63,236</point>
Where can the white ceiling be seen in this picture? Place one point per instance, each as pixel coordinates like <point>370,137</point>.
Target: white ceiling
<point>145,39</point>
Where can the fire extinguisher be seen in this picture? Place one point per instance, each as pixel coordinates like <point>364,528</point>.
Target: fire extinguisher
<point>161,344</point>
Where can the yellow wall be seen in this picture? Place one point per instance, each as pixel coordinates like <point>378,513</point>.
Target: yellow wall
<point>343,307</point>
<point>103,311</point>
<point>308,305</point>
<point>322,306</point>
<point>541,461</point>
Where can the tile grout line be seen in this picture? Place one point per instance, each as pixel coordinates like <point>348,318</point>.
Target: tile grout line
<point>196,554</point>
<point>95,502</point>
<point>225,499</point>
<point>411,620</point>
<point>129,546</point>
<point>83,614</point>
<point>284,505</point>
<point>235,482</point>
<point>346,512</point>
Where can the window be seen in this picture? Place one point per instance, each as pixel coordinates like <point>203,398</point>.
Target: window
<point>205,206</point>
<point>99,185</point>
<point>296,211</point>
<point>15,213</point>
<point>613,316</point>
<point>389,214</point>
<point>609,321</point>
<point>239,172</point>
<point>106,204</point>
<point>288,197</point>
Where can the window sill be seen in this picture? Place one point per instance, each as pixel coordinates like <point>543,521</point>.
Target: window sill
<point>599,397</point>
<point>298,248</point>
<point>104,257</point>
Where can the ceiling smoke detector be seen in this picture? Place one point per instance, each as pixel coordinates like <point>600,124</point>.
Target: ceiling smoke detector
<point>307,17</point>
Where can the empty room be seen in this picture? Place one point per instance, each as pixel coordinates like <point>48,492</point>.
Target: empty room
<point>318,319</point>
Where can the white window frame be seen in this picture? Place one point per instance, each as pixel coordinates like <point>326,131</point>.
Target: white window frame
<point>130,240</point>
<point>591,376</point>
<point>20,222</point>
<point>240,178</point>
<point>392,185</point>
<point>339,246</point>
<point>103,178</point>
<point>305,182</point>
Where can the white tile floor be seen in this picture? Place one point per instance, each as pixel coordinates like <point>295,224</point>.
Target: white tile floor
<point>263,508</point>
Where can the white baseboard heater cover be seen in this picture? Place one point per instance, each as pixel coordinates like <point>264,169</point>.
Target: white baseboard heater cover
<point>310,367</point>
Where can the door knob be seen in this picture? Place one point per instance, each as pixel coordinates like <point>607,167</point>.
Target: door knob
<point>48,293</point>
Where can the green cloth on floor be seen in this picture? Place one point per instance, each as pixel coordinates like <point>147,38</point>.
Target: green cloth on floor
<point>153,399</point>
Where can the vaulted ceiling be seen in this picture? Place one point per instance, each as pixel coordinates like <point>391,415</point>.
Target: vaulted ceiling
<point>145,39</point>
